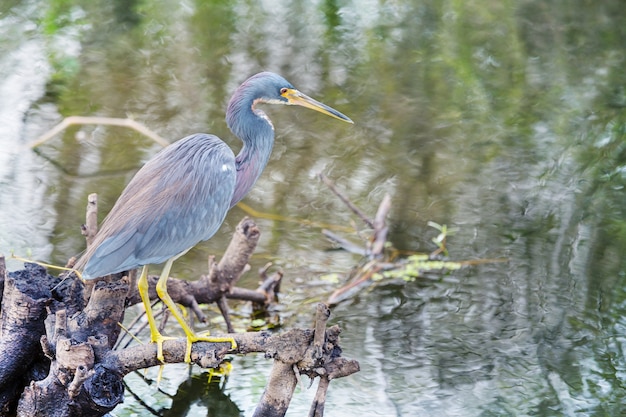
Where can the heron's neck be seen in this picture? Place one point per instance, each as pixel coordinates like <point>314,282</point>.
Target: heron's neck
<point>257,134</point>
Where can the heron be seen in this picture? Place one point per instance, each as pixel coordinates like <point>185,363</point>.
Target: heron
<point>181,197</point>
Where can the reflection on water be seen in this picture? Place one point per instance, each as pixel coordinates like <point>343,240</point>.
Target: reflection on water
<point>505,120</point>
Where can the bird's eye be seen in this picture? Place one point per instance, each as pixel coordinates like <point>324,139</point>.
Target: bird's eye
<point>283,90</point>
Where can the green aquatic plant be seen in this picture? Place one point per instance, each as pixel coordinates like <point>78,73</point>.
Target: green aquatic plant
<point>415,266</point>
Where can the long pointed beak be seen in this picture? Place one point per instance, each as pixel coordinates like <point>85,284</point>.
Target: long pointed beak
<point>295,97</point>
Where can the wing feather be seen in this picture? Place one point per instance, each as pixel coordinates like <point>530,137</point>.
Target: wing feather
<point>177,199</point>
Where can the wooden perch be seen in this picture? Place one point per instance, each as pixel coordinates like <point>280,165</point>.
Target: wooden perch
<point>85,374</point>
<point>20,330</point>
<point>57,336</point>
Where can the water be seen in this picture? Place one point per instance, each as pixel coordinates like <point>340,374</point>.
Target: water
<point>503,120</point>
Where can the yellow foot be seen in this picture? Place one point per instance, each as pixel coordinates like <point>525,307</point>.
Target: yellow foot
<point>192,338</point>
<point>158,338</point>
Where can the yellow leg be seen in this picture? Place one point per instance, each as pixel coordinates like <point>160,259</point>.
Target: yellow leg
<point>192,337</point>
<point>155,335</point>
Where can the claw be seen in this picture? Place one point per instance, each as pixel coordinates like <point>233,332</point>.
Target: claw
<point>158,338</point>
<point>192,338</point>
<point>206,337</point>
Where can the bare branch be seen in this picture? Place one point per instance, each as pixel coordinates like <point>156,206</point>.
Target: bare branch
<point>346,200</point>
<point>380,227</point>
<point>90,228</point>
<point>109,121</point>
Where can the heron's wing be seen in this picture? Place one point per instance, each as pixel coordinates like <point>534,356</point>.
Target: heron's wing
<point>179,198</point>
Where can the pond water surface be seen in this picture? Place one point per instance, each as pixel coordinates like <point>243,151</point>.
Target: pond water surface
<point>503,120</point>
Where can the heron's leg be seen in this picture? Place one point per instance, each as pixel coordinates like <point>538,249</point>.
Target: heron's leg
<point>161,288</point>
<point>155,335</point>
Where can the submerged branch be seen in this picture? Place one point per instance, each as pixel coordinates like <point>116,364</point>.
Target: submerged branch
<point>378,265</point>
<point>346,200</point>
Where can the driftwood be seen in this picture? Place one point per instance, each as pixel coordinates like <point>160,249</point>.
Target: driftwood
<point>375,246</point>
<point>379,260</point>
<point>373,252</point>
<point>57,343</point>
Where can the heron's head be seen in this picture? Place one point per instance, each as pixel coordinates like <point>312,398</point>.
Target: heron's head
<point>267,87</point>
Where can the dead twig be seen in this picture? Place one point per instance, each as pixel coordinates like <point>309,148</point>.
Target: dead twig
<point>86,120</point>
<point>379,237</point>
<point>344,243</point>
<point>90,228</point>
<point>363,277</point>
<point>346,200</point>
<point>376,243</point>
